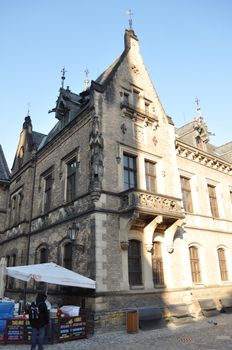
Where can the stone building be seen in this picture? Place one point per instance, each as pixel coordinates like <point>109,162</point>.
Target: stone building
<point>149,204</point>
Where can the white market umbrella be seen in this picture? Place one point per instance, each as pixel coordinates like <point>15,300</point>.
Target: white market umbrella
<point>50,273</point>
<point>2,276</point>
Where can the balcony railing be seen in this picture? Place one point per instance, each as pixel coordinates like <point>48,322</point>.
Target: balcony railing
<point>152,203</point>
<point>135,109</point>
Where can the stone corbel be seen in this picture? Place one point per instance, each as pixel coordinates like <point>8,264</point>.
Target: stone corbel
<point>149,231</point>
<point>149,247</point>
<point>125,225</point>
<point>124,245</point>
<point>170,233</point>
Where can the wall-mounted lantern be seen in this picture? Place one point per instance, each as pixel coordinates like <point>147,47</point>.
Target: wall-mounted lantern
<point>73,231</point>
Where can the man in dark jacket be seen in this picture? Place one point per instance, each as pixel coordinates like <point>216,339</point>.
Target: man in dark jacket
<point>39,318</point>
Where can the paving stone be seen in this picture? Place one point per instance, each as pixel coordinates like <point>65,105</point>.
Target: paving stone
<point>200,335</point>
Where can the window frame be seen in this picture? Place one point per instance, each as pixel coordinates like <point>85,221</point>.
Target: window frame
<point>11,261</point>
<point>67,260</point>
<point>195,264</point>
<point>186,193</point>
<point>136,99</point>
<point>71,189</point>
<point>150,177</point>
<point>222,264</point>
<point>48,192</point>
<point>130,171</point>
<point>157,264</point>
<point>213,200</point>
<point>134,263</point>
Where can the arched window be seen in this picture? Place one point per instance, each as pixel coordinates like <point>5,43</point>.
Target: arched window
<point>157,264</point>
<point>222,264</point>
<point>41,255</point>
<point>67,257</point>
<point>11,261</point>
<point>195,264</point>
<point>134,263</point>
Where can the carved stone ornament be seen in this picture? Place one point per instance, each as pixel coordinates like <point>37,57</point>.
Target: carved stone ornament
<point>145,122</point>
<point>155,141</point>
<point>124,245</point>
<point>155,125</point>
<point>201,128</point>
<point>96,147</point>
<point>135,69</point>
<point>118,159</point>
<point>123,128</point>
<point>170,249</point>
<point>149,248</point>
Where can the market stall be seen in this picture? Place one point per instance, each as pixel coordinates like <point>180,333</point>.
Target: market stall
<point>65,325</point>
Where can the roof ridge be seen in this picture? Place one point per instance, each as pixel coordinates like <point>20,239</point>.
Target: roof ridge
<point>4,169</point>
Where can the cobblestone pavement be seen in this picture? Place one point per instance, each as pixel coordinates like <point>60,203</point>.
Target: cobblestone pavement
<point>200,335</point>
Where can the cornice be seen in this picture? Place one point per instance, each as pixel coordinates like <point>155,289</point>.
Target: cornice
<point>189,152</point>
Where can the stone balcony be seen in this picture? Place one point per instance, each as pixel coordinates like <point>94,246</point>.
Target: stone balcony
<point>135,112</point>
<point>151,203</point>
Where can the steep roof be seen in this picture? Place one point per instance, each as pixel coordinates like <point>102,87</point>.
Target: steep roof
<point>37,138</point>
<point>4,170</point>
<point>68,104</point>
<point>109,73</point>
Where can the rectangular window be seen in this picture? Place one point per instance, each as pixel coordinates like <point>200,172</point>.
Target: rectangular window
<point>71,180</point>
<point>43,255</point>
<point>10,282</point>
<point>16,207</point>
<point>20,202</point>
<point>195,264</point>
<point>150,170</point>
<point>125,98</point>
<point>48,193</point>
<point>186,194</point>
<point>157,264</point>
<point>222,264</point>
<point>129,163</point>
<point>213,201</point>
<point>147,108</point>
<point>134,263</point>
<point>67,263</point>
<point>136,99</point>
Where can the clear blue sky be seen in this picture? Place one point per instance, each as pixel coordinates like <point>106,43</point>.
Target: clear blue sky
<point>186,46</point>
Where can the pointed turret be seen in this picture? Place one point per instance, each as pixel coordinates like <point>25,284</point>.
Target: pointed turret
<point>28,142</point>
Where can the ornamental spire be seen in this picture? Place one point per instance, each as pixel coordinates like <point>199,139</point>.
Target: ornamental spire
<point>198,105</point>
<point>130,14</point>
<point>63,71</point>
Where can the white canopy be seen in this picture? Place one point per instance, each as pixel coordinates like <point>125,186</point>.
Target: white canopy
<point>50,273</point>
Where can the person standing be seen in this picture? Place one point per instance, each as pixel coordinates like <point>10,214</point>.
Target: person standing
<point>39,318</point>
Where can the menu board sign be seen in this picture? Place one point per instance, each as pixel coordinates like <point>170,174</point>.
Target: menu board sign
<point>71,328</point>
<point>18,331</point>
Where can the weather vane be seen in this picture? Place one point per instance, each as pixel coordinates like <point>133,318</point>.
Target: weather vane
<point>86,81</point>
<point>130,14</point>
<point>28,109</point>
<point>198,105</point>
<point>63,71</point>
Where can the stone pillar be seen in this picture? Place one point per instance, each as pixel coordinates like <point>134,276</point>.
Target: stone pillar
<point>125,225</point>
<point>147,252</point>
